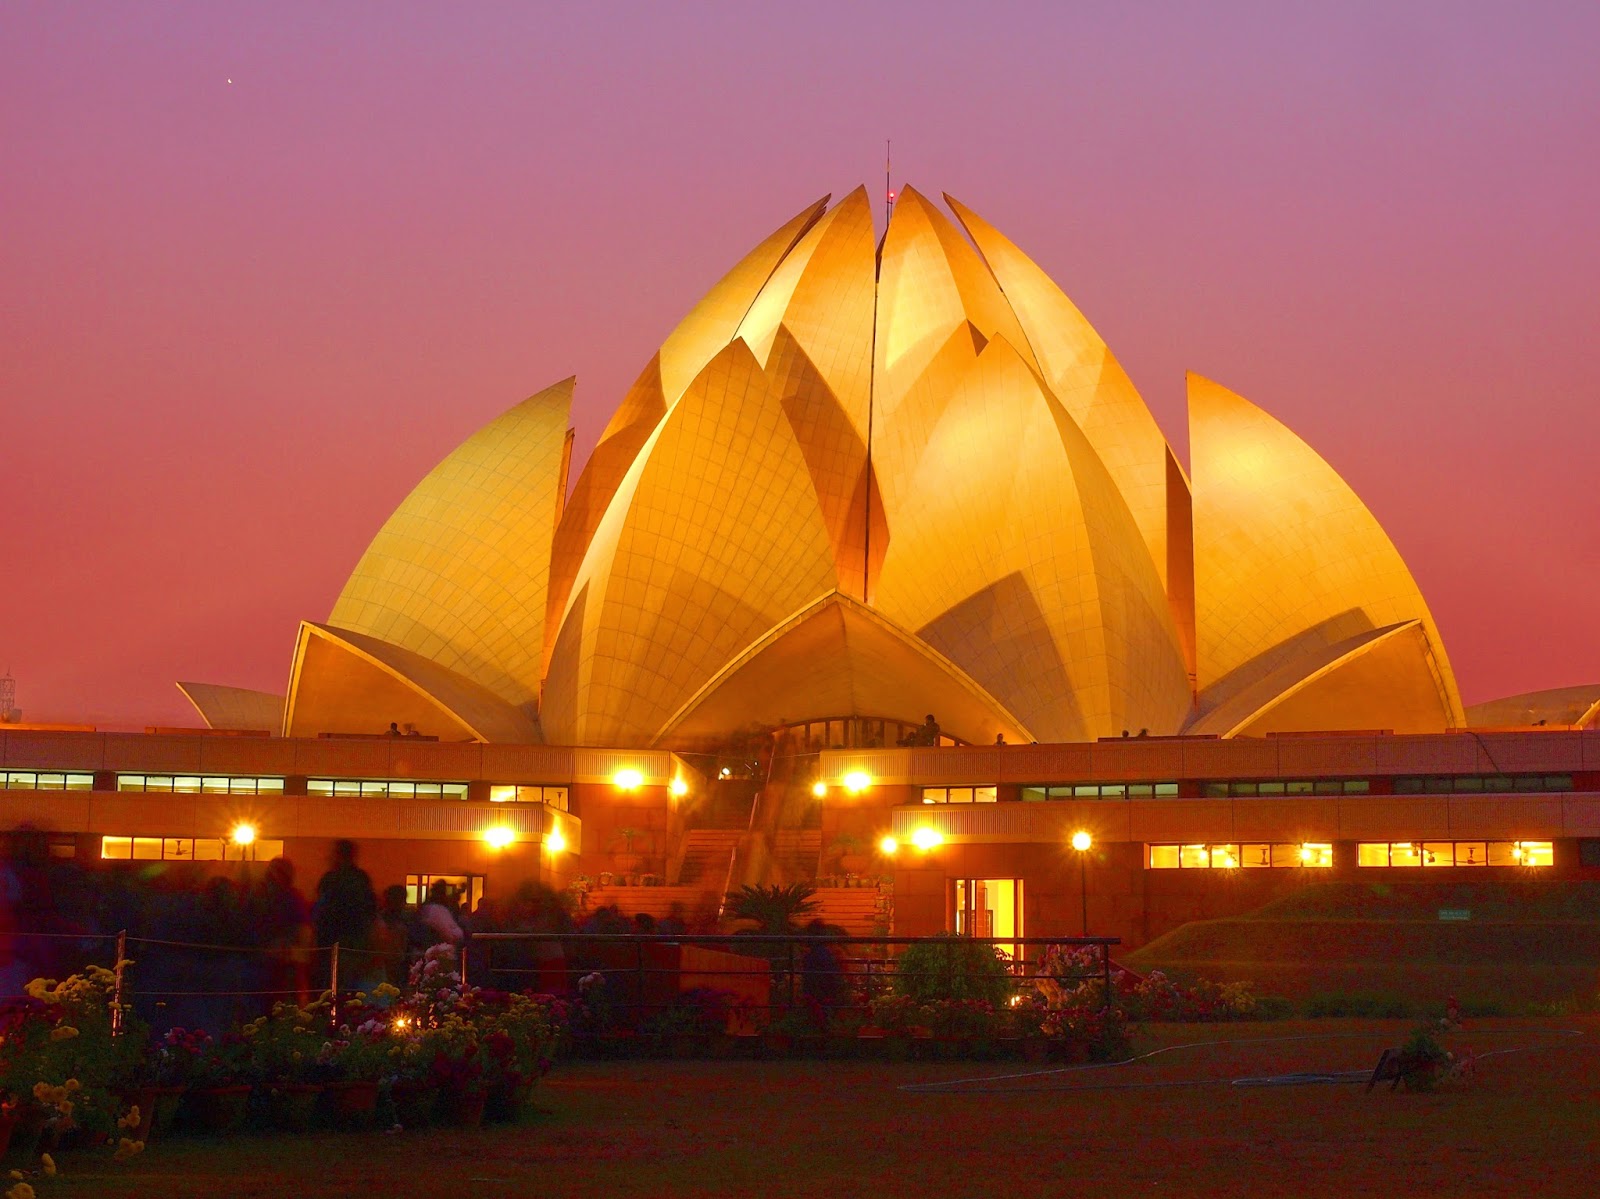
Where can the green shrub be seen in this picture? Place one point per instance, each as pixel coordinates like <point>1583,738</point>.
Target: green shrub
<point>953,967</point>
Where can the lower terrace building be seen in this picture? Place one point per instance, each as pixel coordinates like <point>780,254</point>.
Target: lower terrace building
<point>1181,828</point>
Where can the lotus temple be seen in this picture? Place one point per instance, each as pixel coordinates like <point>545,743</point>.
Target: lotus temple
<point>882,576</point>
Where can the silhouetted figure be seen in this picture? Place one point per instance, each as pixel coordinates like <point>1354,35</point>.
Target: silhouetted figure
<point>284,919</point>
<point>928,734</point>
<point>821,973</point>
<point>391,935</point>
<point>345,910</point>
<point>999,738</point>
<point>438,917</point>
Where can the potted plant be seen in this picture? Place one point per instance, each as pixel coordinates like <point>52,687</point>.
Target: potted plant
<point>285,1056</point>
<point>219,1093</point>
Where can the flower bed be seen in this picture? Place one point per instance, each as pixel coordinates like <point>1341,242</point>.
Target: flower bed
<point>439,1051</point>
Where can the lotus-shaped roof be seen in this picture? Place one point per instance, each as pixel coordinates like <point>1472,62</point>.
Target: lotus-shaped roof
<point>878,479</point>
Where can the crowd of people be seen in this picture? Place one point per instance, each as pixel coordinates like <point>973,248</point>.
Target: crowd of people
<point>208,950</point>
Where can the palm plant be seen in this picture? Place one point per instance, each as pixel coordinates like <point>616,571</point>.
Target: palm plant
<point>773,909</point>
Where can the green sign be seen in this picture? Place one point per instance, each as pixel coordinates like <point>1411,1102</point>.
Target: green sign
<point>1455,914</point>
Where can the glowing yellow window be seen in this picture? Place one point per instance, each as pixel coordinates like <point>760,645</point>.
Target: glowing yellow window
<point>1163,857</point>
<point>1372,853</point>
<point>116,848</point>
<point>147,849</point>
<point>1224,857</point>
<point>1317,854</point>
<point>1521,853</point>
<point>1194,856</point>
<point>1255,856</point>
<point>1472,853</point>
<point>1405,853</point>
<point>1439,853</point>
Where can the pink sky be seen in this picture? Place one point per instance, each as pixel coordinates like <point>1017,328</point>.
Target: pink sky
<point>238,321</point>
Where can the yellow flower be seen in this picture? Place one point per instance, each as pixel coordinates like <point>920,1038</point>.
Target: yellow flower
<point>72,1084</point>
<point>131,1120</point>
<point>127,1148</point>
<point>63,1032</point>
<point>21,1191</point>
<point>49,1165</point>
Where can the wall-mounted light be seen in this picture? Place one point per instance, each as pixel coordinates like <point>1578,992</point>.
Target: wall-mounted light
<point>243,834</point>
<point>628,779</point>
<point>499,836</point>
<point>1081,841</point>
<point>679,787</point>
<point>926,838</point>
<point>857,781</point>
<point>888,847</point>
<point>819,789</point>
<point>554,841</point>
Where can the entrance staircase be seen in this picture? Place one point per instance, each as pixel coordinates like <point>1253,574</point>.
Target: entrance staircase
<point>706,855</point>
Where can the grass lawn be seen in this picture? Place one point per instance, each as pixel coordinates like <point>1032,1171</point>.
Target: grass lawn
<point>1172,1124</point>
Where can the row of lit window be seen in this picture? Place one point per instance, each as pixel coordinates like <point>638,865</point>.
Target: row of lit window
<point>33,780</point>
<point>1443,784</point>
<point>1455,853</point>
<point>187,849</point>
<point>1317,854</point>
<point>200,784</point>
<point>556,797</point>
<point>1102,791</point>
<point>385,789</point>
<point>1368,853</point>
<point>959,794</point>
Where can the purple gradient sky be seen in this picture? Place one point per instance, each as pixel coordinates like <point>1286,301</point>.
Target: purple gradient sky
<point>238,322</point>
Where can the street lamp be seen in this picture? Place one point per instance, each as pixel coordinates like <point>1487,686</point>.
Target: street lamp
<point>1081,841</point>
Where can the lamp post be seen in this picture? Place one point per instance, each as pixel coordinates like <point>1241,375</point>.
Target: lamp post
<point>1081,841</point>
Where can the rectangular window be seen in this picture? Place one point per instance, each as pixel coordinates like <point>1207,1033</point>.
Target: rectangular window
<point>1438,853</point>
<point>465,889</point>
<point>210,784</point>
<point>1405,853</point>
<point>1521,853</point>
<point>1372,853</point>
<point>1318,855</point>
<point>50,780</point>
<point>117,849</point>
<point>1194,856</point>
<point>1214,790</point>
<point>1357,786</point>
<point>385,789</point>
<point>1255,857</point>
<point>1269,788</point>
<point>1299,787</point>
<point>187,849</point>
<point>1163,857</point>
<point>1472,853</point>
<point>147,849</point>
<point>1328,787</point>
<point>1166,790</point>
<point>1035,794</point>
<point>1224,857</point>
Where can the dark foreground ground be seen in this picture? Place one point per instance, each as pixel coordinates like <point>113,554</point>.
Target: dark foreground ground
<point>1172,1124</point>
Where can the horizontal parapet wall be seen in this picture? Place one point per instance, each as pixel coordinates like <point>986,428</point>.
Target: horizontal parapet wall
<point>1219,821</point>
<point>1136,758</point>
<point>334,757</point>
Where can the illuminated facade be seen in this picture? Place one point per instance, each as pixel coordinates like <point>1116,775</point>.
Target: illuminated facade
<point>862,481</point>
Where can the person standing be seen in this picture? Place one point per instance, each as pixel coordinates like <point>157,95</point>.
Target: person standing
<point>345,911</point>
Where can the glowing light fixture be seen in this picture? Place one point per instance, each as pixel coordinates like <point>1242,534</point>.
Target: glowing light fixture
<point>678,787</point>
<point>499,836</point>
<point>888,847</point>
<point>820,790</point>
<point>243,834</point>
<point>857,781</point>
<point>628,779</point>
<point>1081,841</point>
<point>724,773</point>
<point>926,838</point>
<point>554,841</point>
<point>1307,854</point>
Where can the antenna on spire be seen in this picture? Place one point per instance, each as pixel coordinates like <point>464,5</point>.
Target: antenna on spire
<point>888,183</point>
